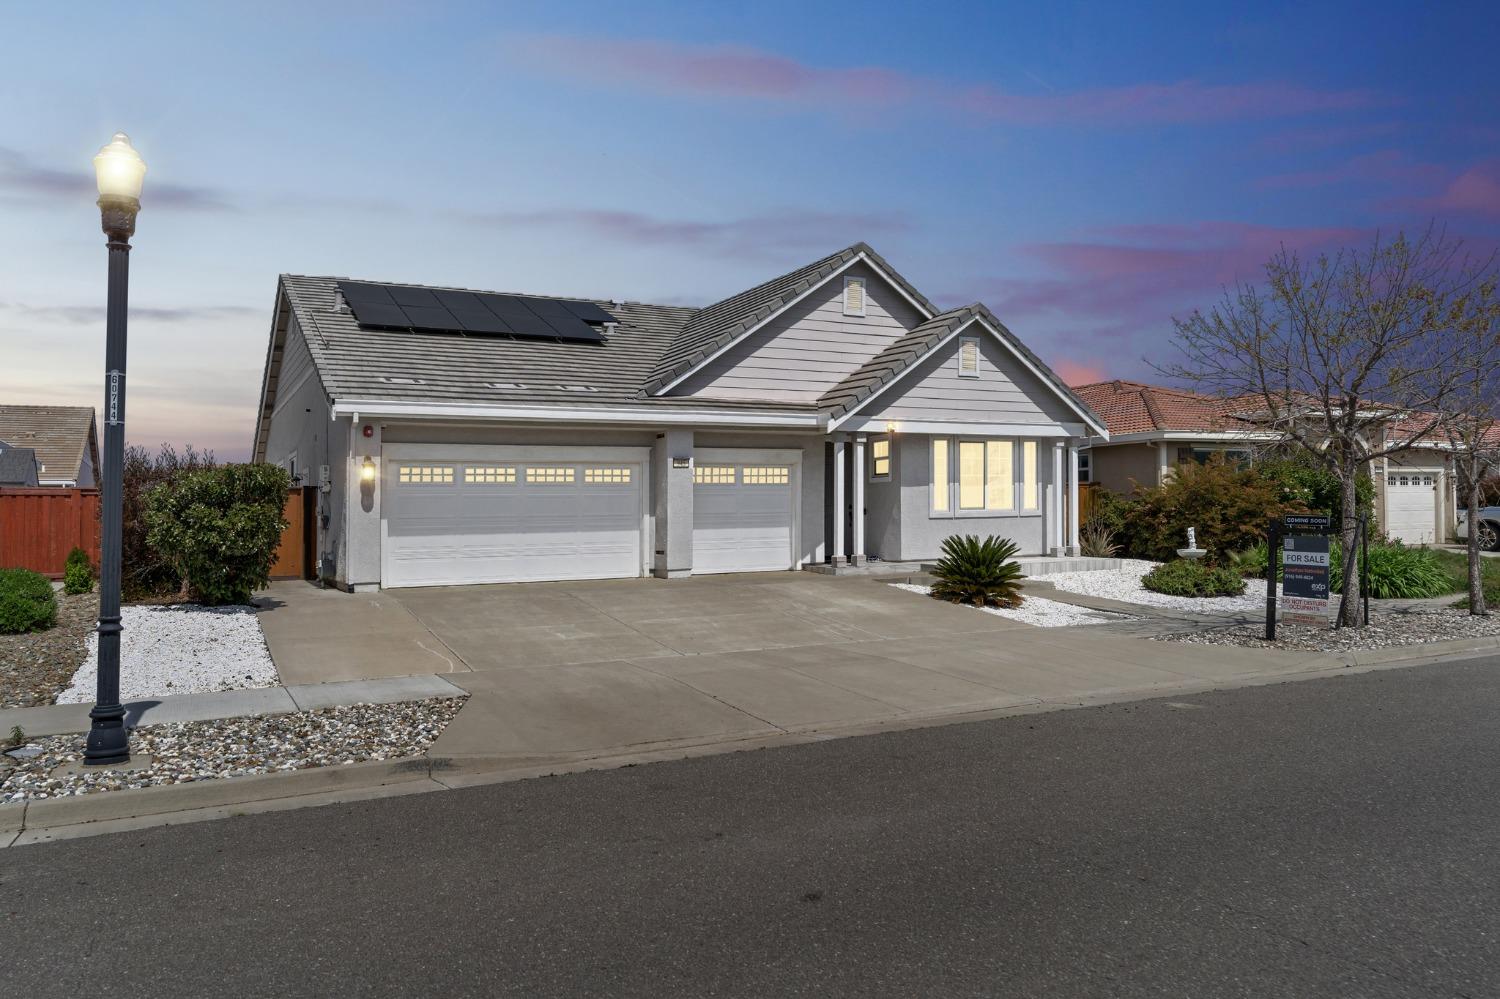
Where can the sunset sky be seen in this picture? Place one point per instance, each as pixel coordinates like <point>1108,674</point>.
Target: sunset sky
<point>1088,170</point>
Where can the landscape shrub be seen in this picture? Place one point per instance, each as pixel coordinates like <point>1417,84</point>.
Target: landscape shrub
<point>78,573</point>
<point>1311,486</point>
<point>1249,562</point>
<point>1096,540</point>
<point>219,527</point>
<point>145,572</point>
<point>1396,572</point>
<point>1185,577</point>
<point>1228,506</point>
<point>27,602</point>
<point>982,573</point>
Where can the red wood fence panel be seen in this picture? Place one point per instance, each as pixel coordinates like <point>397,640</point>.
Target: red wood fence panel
<point>39,526</point>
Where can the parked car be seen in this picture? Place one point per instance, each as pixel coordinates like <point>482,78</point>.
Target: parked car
<point>1489,527</point>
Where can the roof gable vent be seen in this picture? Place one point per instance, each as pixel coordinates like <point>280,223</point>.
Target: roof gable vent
<point>854,296</point>
<point>968,357</point>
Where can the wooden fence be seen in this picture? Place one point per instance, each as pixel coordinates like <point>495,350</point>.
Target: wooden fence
<point>40,525</point>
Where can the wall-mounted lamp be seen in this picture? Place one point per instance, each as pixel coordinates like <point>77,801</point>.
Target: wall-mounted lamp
<point>367,470</point>
<point>891,426</point>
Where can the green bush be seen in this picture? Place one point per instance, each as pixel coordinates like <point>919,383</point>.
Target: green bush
<point>78,572</point>
<point>27,602</point>
<point>145,572</point>
<point>1310,486</point>
<point>1250,562</point>
<point>220,527</point>
<point>1228,506</point>
<point>1187,577</point>
<point>982,573</point>
<point>1396,572</point>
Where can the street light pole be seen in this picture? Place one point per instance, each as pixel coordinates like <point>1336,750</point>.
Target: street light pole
<point>120,173</point>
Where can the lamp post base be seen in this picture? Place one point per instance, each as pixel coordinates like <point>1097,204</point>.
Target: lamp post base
<point>108,742</point>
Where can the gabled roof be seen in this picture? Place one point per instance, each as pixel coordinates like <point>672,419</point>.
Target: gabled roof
<point>1137,408</point>
<point>904,353</point>
<point>18,466</point>
<point>713,328</point>
<point>61,436</point>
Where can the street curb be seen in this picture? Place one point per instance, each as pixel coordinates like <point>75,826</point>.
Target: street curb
<point>96,814</point>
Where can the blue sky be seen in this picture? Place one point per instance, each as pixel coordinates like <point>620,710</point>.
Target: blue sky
<point>1088,170</point>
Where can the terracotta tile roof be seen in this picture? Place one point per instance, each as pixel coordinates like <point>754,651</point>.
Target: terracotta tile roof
<point>1135,408</point>
<point>61,436</point>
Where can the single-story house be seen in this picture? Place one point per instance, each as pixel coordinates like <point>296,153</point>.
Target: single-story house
<point>1153,429</point>
<point>830,415</point>
<point>18,466</point>
<point>63,441</point>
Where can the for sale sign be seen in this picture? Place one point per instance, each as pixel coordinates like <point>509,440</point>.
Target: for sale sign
<point>1304,579</point>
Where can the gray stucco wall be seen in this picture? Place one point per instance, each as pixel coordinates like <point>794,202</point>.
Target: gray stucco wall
<point>812,347</point>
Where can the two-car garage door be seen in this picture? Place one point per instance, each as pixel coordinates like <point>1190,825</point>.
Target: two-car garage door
<point>454,519</point>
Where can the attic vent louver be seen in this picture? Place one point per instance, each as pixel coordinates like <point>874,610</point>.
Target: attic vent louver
<point>968,357</point>
<point>854,296</point>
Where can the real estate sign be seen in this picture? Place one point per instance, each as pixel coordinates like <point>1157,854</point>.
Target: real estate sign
<point>1304,579</point>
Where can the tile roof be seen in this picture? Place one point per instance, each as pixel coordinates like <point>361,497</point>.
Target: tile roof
<point>17,466</point>
<point>713,328</point>
<point>907,350</point>
<point>61,436</point>
<point>1135,407</point>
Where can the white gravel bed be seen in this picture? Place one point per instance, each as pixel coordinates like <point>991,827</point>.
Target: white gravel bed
<point>1386,630</point>
<point>186,752</point>
<point>180,649</point>
<point>1038,611</point>
<point>1125,584</point>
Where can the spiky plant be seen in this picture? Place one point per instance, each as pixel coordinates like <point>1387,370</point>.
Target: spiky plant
<point>1096,540</point>
<point>982,573</point>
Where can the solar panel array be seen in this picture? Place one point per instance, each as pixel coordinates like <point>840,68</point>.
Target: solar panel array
<point>391,306</point>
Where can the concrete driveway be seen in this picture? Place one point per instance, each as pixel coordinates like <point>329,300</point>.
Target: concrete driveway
<point>569,670</point>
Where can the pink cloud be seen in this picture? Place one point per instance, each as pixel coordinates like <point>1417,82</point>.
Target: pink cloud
<point>746,73</point>
<point>1074,373</point>
<point>1389,166</point>
<point>1475,191</point>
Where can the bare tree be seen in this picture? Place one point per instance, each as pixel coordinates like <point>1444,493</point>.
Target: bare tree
<point>1337,349</point>
<point>1472,436</point>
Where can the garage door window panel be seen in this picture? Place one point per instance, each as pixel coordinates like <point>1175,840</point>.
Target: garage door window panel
<point>606,476</point>
<point>490,475</point>
<point>714,475</point>
<point>425,475</point>
<point>550,475</point>
<point>766,475</point>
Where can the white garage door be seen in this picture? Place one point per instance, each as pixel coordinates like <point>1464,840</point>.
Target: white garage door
<point>1411,506</point>
<point>742,515</point>
<point>460,520</point>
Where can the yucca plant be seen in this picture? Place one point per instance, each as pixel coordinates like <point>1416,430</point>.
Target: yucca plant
<point>1096,540</point>
<point>982,573</point>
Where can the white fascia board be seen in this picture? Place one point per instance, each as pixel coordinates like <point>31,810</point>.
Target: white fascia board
<point>866,425</point>
<point>1221,436</point>
<point>858,258</point>
<point>1005,342</point>
<point>638,415</point>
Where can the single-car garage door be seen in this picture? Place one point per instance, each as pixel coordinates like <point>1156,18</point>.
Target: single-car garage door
<point>452,520</point>
<point>744,514</point>
<point>1411,506</point>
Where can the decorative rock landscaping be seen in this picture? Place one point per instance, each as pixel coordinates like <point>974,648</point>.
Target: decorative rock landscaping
<point>1386,630</point>
<point>35,666</point>
<point>181,649</point>
<point>1039,611</point>
<point>1125,585</point>
<point>185,752</point>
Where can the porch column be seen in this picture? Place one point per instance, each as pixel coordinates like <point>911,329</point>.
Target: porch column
<point>1055,530</point>
<point>837,551</point>
<point>1073,495</point>
<point>672,487</point>
<point>857,551</point>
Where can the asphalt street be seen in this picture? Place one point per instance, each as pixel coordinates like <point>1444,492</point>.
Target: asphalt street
<point>1336,837</point>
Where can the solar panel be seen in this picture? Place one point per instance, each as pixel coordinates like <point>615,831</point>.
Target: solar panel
<point>432,310</point>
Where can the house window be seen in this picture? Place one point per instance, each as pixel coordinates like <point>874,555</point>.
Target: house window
<point>1085,466</point>
<point>1030,494</point>
<point>291,467</point>
<point>765,475</point>
<point>713,475</point>
<point>490,475</point>
<point>971,475</point>
<point>1000,478</point>
<point>880,459</point>
<point>940,480</point>
<point>854,296</point>
<point>968,357</point>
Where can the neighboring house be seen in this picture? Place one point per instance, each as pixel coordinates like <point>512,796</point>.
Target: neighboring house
<point>1153,429</point>
<point>833,414</point>
<point>62,438</point>
<point>18,466</point>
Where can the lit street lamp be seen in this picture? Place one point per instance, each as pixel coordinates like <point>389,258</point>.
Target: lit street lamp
<point>120,171</point>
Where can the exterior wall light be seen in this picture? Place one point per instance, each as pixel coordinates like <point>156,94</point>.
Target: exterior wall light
<point>891,426</point>
<point>367,470</point>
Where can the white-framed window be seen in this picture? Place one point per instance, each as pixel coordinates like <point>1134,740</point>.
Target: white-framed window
<point>975,477</point>
<point>1085,466</point>
<point>291,467</point>
<point>765,475</point>
<point>1031,494</point>
<point>490,475</point>
<point>880,459</point>
<point>713,475</point>
<point>854,296</point>
<point>429,475</point>
<point>968,357</point>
